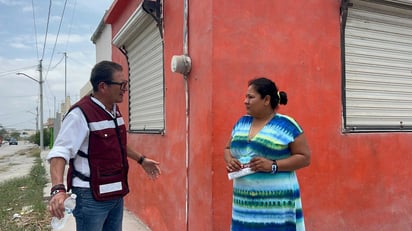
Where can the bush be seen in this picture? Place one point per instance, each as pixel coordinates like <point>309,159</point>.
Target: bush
<point>36,137</point>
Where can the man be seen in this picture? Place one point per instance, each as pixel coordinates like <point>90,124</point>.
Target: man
<point>93,140</point>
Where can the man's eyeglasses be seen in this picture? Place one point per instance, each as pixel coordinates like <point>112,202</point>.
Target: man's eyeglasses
<point>123,85</point>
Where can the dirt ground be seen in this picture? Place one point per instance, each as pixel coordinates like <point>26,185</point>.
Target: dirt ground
<point>15,161</point>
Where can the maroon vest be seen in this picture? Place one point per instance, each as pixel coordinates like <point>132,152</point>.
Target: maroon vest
<point>107,153</point>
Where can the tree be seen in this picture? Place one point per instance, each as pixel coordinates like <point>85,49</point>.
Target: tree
<point>36,137</point>
<point>15,135</point>
<point>3,131</point>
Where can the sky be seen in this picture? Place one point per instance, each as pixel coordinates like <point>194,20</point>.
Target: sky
<point>34,30</point>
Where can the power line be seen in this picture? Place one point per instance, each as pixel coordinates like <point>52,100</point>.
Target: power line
<point>15,70</point>
<point>70,25</point>
<point>54,48</point>
<point>50,69</point>
<point>35,29</point>
<point>12,114</point>
<point>18,123</point>
<point>57,37</point>
<point>47,29</point>
<point>17,96</point>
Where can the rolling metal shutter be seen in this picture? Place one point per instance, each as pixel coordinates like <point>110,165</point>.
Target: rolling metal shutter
<point>140,37</point>
<point>378,64</point>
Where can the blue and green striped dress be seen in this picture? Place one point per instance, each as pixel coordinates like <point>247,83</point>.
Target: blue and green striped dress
<point>265,201</point>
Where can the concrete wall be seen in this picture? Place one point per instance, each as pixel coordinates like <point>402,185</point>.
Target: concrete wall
<point>102,53</point>
<point>355,181</point>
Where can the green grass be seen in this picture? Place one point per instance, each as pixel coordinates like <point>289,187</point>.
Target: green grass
<point>24,196</point>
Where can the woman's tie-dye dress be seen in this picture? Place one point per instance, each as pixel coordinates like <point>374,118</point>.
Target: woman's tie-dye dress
<point>266,201</point>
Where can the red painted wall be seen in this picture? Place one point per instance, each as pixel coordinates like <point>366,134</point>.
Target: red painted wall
<point>161,204</point>
<point>355,181</point>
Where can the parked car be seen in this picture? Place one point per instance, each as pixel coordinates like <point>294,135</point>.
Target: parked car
<point>13,141</point>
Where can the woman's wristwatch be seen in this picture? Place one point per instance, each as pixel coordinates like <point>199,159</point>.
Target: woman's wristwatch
<point>274,167</point>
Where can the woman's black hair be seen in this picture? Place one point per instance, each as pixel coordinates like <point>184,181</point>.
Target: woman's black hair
<point>266,87</point>
<point>103,71</point>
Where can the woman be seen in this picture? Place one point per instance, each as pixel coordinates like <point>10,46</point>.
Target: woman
<point>273,146</point>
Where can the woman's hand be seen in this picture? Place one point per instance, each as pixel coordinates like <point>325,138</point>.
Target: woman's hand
<point>233,164</point>
<point>260,164</point>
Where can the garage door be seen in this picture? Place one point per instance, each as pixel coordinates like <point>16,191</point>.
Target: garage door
<point>378,65</point>
<point>141,39</point>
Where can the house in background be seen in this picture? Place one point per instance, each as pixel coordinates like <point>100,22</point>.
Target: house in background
<point>346,66</point>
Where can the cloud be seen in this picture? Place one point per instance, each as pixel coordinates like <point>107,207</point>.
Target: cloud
<point>20,53</point>
<point>27,8</point>
<point>12,2</point>
<point>55,18</point>
<point>19,45</point>
<point>14,45</point>
<point>70,38</point>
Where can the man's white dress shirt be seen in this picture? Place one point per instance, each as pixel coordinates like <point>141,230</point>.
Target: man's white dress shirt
<point>74,136</point>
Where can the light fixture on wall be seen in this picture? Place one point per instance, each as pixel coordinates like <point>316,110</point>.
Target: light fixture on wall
<point>181,64</point>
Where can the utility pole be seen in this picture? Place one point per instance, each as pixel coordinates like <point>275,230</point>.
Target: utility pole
<point>40,82</point>
<point>41,106</point>
<point>37,118</point>
<point>65,77</point>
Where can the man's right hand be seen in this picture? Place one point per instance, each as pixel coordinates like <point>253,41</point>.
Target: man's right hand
<point>56,205</point>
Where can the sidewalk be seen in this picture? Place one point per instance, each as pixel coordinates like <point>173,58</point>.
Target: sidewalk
<point>130,221</point>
